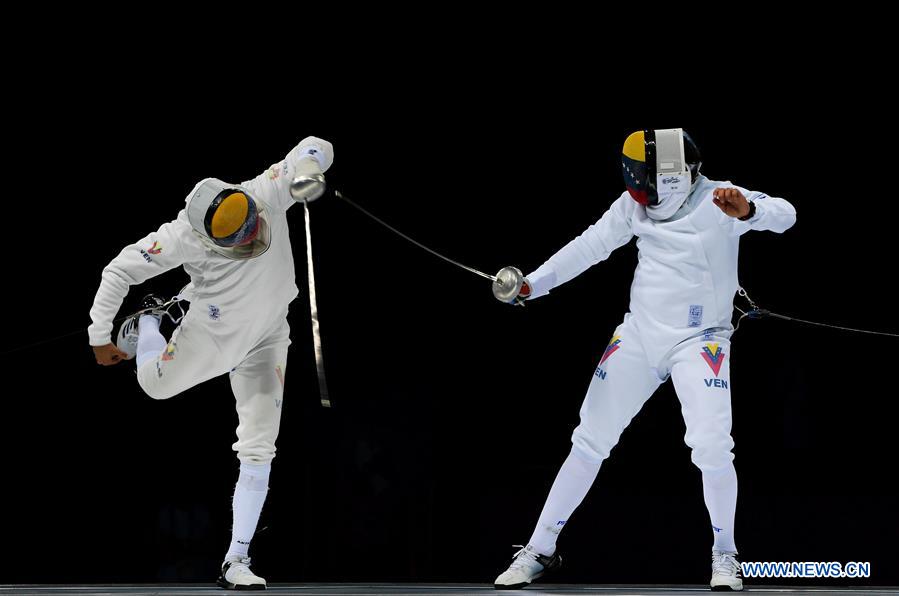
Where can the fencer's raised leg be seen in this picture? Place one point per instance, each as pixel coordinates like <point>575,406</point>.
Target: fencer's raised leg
<point>701,374</point>
<point>150,342</point>
<point>621,384</point>
<point>189,358</point>
<point>139,334</point>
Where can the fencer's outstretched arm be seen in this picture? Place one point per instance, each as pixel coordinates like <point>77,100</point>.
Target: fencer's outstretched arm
<point>273,185</point>
<point>154,254</point>
<point>599,240</point>
<point>771,213</point>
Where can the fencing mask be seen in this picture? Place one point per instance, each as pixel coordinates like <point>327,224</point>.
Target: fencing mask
<point>228,219</point>
<point>659,168</point>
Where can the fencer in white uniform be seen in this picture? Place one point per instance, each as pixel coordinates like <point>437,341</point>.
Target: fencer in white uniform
<point>233,242</point>
<point>678,326</point>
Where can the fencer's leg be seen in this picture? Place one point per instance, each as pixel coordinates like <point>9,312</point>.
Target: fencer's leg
<point>249,497</point>
<point>621,384</point>
<point>701,374</point>
<point>150,342</point>
<point>166,369</point>
<point>719,490</point>
<point>258,386</point>
<point>571,485</point>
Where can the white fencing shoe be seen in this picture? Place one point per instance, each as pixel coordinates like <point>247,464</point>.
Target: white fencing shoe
<point>526,566</point>
<point>725,572</point>
<point>236,575</point>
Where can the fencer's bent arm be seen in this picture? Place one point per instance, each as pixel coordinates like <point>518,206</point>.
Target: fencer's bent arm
<point>596,243</point>
<point>154,254</point>
<point>273,185</point>
<point>771,214</point>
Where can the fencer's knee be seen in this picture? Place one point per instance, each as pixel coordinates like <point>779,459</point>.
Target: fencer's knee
<point>712,460</point>
<point>589,449</point>
<point>256,460</point>
<point>260,456</point>
<point>149,383</point>
<point>158,393</point>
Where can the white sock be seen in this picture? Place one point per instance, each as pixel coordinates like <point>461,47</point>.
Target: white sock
<point>570,487</point>
<point>249,496</point>
<point>150,342</point>
<point>719,489</point>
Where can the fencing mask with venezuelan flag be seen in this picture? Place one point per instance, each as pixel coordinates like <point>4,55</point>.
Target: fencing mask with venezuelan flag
<point>660,167</point>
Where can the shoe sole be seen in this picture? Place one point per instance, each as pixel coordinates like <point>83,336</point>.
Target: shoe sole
<point>510,586</point>
<point>726,589</point>
<point>229,586</point>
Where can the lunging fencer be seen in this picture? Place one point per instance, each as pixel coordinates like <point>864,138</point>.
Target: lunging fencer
<point>233,241</point>
<point>678,326</point>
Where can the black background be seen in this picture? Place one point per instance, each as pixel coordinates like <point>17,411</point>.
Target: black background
<point>453,411</point>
